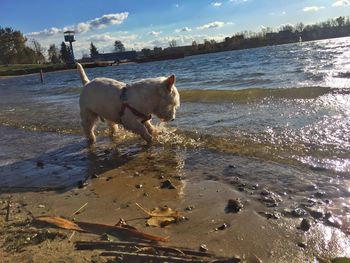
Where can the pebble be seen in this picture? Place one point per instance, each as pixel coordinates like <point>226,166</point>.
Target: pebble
<point>316,213</point>
<point>81,184</point>
<point>320,194</point>
<point>189,208</point>
<point>305,224</point>
<point>233,206</point>
<point>334,221</point>
<point>302,245</point>
<point>167,184</point>
<point>41,206</point>
<point>139,186</point>
<point>40,163</point>
<point>268,215</point>
<point>222,227</point>
<point>298,212</point>
<point>203,248</point>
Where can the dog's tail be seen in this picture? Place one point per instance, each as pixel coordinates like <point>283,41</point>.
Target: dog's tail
<point>84,78</point>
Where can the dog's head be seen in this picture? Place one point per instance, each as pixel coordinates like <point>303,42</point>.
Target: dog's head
<point>170,99</point>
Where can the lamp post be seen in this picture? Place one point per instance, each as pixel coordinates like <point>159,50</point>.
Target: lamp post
<point>69,37</point>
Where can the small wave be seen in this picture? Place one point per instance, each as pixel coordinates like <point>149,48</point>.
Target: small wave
<point>255,94</point>
<point>345,75</point>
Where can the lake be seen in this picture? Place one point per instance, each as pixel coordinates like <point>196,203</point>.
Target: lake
<point>275,118</point>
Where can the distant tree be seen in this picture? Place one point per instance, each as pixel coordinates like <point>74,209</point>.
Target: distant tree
<point>53,54</point>
<point>146,52</point>
<point>119,46</point>
<point>157,50</point>
<point>39,52</point>
<point>65,54</point>
<point>340,21</point>
<point>13,48</point>
<point>287,27</point>
<point>173,43</point>
<point>93,50</point>
<point>194,43</point>
<point>299,27</point>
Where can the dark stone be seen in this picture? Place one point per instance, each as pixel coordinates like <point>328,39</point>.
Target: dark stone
<point>268,215</point>
<point>233,206</point>
<point>167,184</point>
<point>94,176</point>
<point>305,224</point>
<point>298,212</point>
<point>189,208</point>
<point>139,186</point>
<point>203,248</point>
<point>82,184</point>
<point>255,186</point>
<point>161,177</point>
<point>40,163</point>
<point>320,194</point>
<point>316,213</point>
<point>334,221</point>
<point>231,166</point>
<point>302,245</point>
<point>222,227</point>
<point>265,192</point>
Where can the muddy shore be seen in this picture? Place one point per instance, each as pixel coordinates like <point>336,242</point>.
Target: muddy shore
<point>256,233</point>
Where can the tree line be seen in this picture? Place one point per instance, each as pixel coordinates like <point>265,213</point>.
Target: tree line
<point>15,48</point>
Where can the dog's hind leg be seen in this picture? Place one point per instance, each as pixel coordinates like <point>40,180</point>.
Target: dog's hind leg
<point>113,128</point>
<point>88,121</point>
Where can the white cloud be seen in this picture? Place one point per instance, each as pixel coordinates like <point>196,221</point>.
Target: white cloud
<point>97,23</point>
<point>238,1</point>
<point>184,29</point>
<point>154,33</point>
<point>46,32</point>
<point>339,3</point>
<point>182,40</point>
<point>312,8</point>
<point>216,24</point>
<point>217,4</point>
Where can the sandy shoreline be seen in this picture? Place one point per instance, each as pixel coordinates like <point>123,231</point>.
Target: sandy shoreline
<point>249,236</point>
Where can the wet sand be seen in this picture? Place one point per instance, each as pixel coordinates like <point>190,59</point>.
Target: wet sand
<point>114,192</point>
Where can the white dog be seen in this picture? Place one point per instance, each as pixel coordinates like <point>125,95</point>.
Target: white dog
<point>131,105</point>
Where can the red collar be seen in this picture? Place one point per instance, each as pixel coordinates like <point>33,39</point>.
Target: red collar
<point>142,116</point>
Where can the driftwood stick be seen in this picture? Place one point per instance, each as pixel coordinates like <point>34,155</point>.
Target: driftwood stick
<point>85,245</point>
<point>8,210</point>
<point>77,211</point>
<point>154,257</point>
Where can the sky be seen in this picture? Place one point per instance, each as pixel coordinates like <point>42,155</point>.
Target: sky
<point>149,23</point>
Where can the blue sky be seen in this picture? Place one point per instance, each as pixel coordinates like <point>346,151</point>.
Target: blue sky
<point>149,23</point>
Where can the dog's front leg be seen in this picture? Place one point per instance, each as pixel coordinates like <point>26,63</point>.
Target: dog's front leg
<point>131,123</point>
<point>151,129</point>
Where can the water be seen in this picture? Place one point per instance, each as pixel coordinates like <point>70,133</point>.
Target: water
<point>281,114</point>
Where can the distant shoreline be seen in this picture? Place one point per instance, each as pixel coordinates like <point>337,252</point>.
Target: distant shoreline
<point>25,70</point>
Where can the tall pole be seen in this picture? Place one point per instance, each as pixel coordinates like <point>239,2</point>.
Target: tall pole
<point>71,48</point>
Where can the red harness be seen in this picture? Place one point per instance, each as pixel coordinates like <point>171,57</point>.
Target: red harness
<point>142,116</point>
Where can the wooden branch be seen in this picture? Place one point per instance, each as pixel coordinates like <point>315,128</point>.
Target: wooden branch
<point>85,245</point>
<point>150,257</point>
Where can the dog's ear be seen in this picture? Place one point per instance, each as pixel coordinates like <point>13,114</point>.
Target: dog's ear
<point>170,82</point>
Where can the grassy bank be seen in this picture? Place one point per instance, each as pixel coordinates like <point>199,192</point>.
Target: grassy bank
<point>22,69</point>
